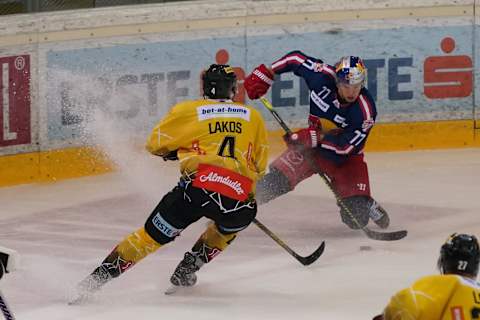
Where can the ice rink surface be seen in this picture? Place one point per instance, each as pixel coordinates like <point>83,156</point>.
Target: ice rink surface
<point>64,230</point>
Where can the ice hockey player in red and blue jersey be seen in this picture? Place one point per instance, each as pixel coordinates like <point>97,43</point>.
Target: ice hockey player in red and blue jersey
<point>342,113</point>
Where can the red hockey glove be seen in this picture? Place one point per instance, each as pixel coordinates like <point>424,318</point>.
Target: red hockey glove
<point>258,82</point>
<point>307,137</point>
<point>314,122</point>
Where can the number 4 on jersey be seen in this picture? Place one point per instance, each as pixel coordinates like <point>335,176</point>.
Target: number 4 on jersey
<point>227,147</point>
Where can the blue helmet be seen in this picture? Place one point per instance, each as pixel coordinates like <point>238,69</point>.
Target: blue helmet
<point>351,70</point>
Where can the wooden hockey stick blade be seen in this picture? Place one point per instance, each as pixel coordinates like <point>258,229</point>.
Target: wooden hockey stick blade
<point>303,260</point>
<point>385,236</point>
<point>313,257</point>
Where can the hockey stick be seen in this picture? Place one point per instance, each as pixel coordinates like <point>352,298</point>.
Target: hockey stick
<point>303,260</point>
<point>5,310</point>
<point>376,235</point>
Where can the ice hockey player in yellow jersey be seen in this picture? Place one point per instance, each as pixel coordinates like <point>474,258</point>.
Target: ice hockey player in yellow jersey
<point>217,132</point>
<point>222,149</point>
<point>452,295</point>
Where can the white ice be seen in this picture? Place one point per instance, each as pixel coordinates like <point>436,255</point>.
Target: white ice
<point>63,230</point>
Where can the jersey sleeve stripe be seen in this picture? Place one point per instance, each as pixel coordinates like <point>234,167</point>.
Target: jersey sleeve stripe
<point>294,58</point>
<point>365,107</point>
<point>346,150</point>
<point>329,70</point>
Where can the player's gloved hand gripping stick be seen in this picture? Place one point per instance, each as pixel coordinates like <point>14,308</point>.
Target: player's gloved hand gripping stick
<point>376,235</point>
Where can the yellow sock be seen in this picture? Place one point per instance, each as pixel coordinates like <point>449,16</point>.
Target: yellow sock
<point>137,246</point>
<point>212,242</point>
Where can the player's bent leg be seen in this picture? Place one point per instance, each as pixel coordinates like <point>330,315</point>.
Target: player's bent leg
<point>214,240</point>
<point>360,210</point>
<point>211,243</point>
<point>126,254</point>
<point>173,214</point>
<point>356,217</point>
<point>271,186</point>
<point>288,170</point>
<point>165,223</point>
<point>352,184</point>
<point>229,215</point>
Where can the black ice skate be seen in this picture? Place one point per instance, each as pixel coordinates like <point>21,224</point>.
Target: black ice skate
<point>379,215</point>
<point>184,275</point>
<point>88,286</point>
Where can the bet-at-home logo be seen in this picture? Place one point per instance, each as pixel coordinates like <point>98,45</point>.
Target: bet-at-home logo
<point>223,111</point>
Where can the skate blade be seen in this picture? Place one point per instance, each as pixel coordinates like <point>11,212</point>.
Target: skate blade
<point>172,289</point>
<point>177,289</point>
<point>79,299</point>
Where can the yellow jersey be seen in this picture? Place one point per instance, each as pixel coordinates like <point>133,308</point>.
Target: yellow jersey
<point>438,297</point>
<point>215,132</point>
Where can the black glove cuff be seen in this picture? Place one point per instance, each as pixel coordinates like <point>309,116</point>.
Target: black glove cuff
<point>171,156</point>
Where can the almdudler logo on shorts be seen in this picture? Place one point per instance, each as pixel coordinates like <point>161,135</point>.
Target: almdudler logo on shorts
<point>212,111</point>
<point>224,181</point>
<point>214,177</point>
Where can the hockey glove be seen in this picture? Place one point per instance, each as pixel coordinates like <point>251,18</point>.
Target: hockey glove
<point>171,156</point>
<point>258,82</point>
<point>308,137</point>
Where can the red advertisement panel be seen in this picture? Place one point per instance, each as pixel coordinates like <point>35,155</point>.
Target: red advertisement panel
<point>15,100</point>
<point>448,76</point>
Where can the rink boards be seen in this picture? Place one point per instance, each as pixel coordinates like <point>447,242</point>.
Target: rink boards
<point>88,78</point>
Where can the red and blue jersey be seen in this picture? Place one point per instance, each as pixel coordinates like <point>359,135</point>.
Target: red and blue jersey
<point>355,119</point>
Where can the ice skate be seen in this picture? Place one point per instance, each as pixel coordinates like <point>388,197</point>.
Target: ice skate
<point>88,286</point>
<point>184,275</point>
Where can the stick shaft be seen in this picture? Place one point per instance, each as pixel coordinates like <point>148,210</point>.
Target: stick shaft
<point>5,309</point>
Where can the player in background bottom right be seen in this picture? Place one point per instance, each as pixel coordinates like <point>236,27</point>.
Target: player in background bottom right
<point>454,294</point>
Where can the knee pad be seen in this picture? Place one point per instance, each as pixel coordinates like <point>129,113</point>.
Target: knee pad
<point>271,186</point>
<point>358,215</point>
<point>212,242</point>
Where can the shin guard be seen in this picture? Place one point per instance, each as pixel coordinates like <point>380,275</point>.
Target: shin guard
<point>211,243</point>
<point>127,253</point>
<point>132,249</point>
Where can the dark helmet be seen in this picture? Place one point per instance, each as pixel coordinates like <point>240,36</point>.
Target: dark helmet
<point>351,70</point>
<point>460,254</point>
<point>219,82</point>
